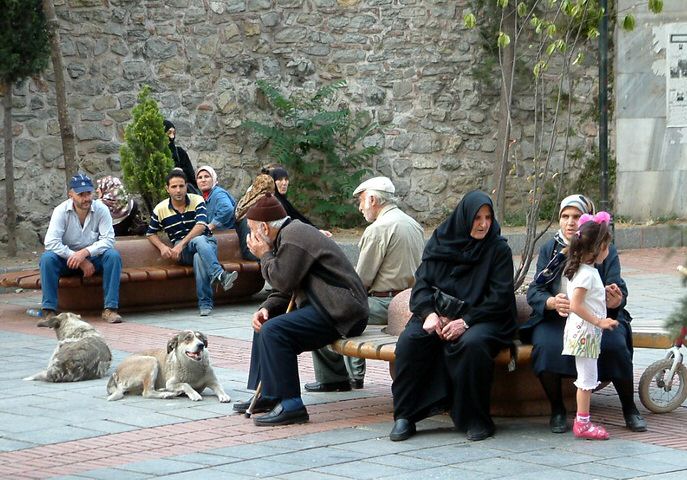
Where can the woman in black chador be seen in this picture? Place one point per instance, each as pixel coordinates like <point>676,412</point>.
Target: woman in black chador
<point>445,355</point>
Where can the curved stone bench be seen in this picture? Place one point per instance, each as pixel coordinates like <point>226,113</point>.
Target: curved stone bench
<point>516,391</point>
<point>149,281</point>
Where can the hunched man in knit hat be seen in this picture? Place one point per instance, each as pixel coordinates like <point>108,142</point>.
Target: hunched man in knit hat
<point>299,262</point>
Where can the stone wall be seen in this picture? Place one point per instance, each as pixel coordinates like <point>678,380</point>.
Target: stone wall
<point>409,63</point>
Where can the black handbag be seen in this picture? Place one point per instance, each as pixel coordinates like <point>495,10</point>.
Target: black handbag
<point>446,305</point>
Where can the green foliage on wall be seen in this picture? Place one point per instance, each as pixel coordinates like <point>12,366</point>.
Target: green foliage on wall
<point>320,142</point>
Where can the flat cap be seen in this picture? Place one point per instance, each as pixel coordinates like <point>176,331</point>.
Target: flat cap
<point>381,184</point>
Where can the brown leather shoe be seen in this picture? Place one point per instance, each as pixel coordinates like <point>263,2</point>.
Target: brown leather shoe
<point>111,316</point>
<point>46,316</point>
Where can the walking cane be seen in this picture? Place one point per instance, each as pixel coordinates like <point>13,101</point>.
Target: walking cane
<point>258,391</point>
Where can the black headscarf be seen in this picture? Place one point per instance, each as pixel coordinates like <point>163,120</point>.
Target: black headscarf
<point>451,241</point>
<point>277,174</point>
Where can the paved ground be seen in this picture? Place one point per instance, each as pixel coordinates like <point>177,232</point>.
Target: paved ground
<point>71,431</point>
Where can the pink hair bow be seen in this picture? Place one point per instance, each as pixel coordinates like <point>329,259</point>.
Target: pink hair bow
<point>601,217</point>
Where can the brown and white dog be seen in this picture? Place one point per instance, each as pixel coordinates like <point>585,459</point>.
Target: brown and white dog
<point>81,353</point>
<point>184,368</point>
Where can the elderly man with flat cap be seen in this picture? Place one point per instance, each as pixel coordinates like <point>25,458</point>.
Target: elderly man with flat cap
<point>302,264</point>
<point>390,252</point>
<point>80,241</point>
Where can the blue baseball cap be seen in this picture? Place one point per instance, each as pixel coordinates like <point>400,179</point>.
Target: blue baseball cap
<point>81,183</point>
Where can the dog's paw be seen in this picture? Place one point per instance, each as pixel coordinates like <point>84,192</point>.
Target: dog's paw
<point>224,398</point>
<point>195,396</point>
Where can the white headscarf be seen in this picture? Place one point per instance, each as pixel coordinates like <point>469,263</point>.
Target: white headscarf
<point>211,171</point>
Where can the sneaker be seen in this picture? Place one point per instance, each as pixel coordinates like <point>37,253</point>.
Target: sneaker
<point>111,316</point>
<point>205,312</point>
<point>226,279</point>
<point>46,316</point>
<point>589,431</point>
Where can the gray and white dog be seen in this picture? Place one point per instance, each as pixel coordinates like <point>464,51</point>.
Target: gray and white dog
<point>81,353</point>
<point>183,368</point>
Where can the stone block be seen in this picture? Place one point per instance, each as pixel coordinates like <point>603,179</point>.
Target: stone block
<point>434,183</point>
<point>255,5</point>
<point>92,131</point>
<point>291,35</point>
<point>425,143</point>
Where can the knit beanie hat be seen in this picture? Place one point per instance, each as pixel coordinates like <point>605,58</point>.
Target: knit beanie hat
<point>267,209</point>
<point>167,125</point>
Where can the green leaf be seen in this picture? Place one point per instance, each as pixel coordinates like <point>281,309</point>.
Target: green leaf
<point>469,20</point>
<point>551,30</point>
<point>503,40</point>
<point>656,6</point>
<point>522,9</point>
<point>550,49</point>
<point>592,33</point>
<point>502,3</point>
<point>578,59</point>
<point>629,22</point>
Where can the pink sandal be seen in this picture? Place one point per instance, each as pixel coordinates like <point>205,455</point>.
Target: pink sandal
<point>589,431</point>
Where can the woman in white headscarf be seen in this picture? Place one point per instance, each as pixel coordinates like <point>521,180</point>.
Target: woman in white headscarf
<point>219,203</point>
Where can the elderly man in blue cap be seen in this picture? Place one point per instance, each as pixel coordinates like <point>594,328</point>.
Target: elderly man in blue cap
<point>80,240</point>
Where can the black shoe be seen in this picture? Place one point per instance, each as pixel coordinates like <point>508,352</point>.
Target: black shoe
<point>558,423</point>
<point>479,433</point>
<point>279,416</point>
<point>262,405</point>
<point>635,422</point>
<point>403,430</point>
<point>318,387</point>
<point>357,383</point>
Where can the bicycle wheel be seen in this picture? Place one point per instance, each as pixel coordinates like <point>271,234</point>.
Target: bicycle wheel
<point>654,391</point>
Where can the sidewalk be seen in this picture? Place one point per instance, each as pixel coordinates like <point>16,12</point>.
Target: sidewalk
<point>71,431</point>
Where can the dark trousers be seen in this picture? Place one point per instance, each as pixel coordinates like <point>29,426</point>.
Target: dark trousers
<point>275,350</point>
<point>434,375</point>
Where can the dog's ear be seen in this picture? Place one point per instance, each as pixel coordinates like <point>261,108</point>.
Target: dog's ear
<point>56,321</point>
<point>173,342</point>
<point>203,339</point>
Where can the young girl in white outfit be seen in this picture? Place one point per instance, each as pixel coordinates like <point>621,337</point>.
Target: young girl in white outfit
<point>587,318</point>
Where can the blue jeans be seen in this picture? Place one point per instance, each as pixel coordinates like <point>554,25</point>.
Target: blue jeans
<point>53,267</point>
<point>201,252</point>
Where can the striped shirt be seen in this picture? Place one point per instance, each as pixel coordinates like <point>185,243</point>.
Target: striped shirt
<point>174,223</point>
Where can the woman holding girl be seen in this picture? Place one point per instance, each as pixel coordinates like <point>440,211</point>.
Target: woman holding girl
<point>547,295</point>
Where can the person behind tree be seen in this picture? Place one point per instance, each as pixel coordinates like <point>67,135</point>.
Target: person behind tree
<point>281,182</point>
<point>180,157</point>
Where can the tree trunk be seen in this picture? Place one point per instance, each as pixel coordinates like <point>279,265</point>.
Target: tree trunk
<point>507,61</point>
<point>66,131</point>
<point>11,219</point>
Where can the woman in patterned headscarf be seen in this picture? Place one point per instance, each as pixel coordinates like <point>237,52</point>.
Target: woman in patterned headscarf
<point>123,209</point>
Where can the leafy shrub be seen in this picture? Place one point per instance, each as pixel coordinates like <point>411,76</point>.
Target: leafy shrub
<point>320,143</point>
